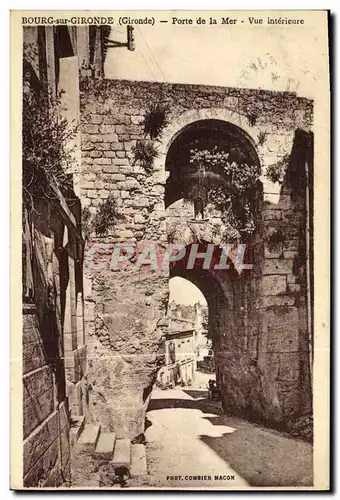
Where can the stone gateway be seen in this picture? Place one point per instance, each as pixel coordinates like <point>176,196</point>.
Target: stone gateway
<point>259,318</point>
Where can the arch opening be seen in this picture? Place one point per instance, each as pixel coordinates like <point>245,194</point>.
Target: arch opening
<point>187,345</point>
<point>193,222</point>
<point>208,134</point>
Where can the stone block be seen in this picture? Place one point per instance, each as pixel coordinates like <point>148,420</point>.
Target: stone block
<point>132,111</point>
<point>137,119</point>
<point>116,146</point>
<point>139,219</point>
<point>120,161</point>
<point>92,194</point>
<point>110,169</point>
<point>96,138</point>
<point>107,129</point>
<point>277,300</point>
<point>87,184</point>
<point>231,102</point>
<point>129,185</point>
<point>86,145</point>
<point>282,329</point>
<point>89,437</point>
<point>122,454</point>
<point>105,446</point>
<point>102,161</point>
<point>118,177</point>
<point>117,120</point>
<point>273,285</point>
<point>90,129</point>
<point>138,460</point>
<point>120,129</point>
<point>125,234</point>
<point>96,119</point>
<point>277,266</point>
<point>112,137</point>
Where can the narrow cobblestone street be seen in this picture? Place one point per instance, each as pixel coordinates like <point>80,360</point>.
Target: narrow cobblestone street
<point>188,435</point>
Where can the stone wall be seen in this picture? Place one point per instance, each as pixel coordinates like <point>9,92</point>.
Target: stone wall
<point>263,352</point>
<point>126,308</point>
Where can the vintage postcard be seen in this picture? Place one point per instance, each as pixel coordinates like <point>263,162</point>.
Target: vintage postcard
<point>170,250</point>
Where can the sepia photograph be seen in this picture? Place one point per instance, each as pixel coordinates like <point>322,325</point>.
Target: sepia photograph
<point>170,328</point>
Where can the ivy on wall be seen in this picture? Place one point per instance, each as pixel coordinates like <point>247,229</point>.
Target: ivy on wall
<point>103,220</point>
<point>145,151</point>
<point>277,171</point>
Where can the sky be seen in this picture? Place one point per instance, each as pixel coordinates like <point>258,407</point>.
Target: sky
<point>269,56</point>
<point>183,291</point>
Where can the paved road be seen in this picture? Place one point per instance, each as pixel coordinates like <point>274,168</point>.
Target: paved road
<point>190,436</point>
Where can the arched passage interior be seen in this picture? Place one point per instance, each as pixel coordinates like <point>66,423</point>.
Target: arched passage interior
<point>229,294</point>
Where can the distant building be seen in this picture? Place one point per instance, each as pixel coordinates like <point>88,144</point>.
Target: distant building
<point>180,359</point>
<point>180,348</point>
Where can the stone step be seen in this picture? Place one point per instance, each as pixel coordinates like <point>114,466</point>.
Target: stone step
<point>89,437</point>
<point>77,425</point>
<point>105,446</point>
<point>122,454</point>
<point>138,460</point>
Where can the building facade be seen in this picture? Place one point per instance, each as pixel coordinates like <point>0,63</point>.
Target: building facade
<point>54,348</point>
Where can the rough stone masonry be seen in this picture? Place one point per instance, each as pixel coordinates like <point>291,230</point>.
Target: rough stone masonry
<point>259,321</point>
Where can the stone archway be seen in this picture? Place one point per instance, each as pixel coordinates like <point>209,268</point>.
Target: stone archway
<point>262,370</point>
<point>227,292</point>
<point>125,309</point>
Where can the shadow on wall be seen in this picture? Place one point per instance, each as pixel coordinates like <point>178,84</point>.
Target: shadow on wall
<point>263,457</point>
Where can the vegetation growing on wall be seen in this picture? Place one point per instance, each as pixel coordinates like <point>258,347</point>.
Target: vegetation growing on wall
<point>104,219</point>
<point>261,138</point>
<point>106,215</point>
<point>155,120</point>
<point>45,148</point>
<point>145,153</point>
<point>277,171</point>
